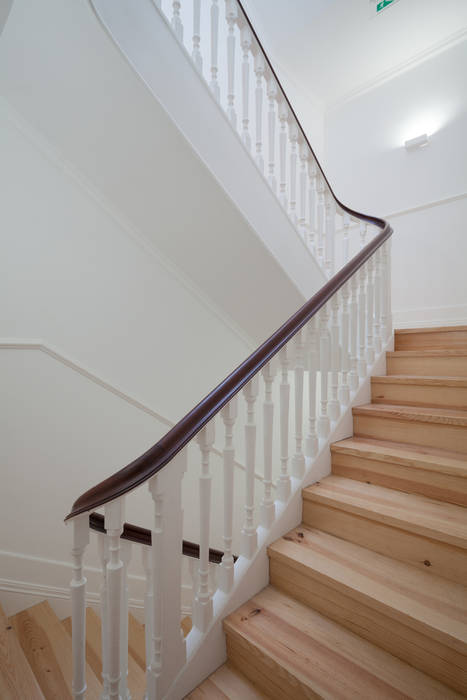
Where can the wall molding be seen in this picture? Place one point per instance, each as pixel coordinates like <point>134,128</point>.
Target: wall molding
<point>56,158</point>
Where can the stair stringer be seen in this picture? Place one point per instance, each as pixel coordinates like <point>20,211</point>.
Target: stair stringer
<point>207,652</point>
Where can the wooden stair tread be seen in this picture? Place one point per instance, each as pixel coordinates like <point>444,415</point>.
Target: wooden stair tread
<point>441,521</point>
<point>425,414</point>
<point>399,589</point>
<point>319,655</point>
<point>428,458</point>
<point>136,675</point>
<point>429,329</point>
<point>420,380</point>
<point>226,682</point>
<point>47,646</point>
<point>441,352</point>
<point>17,680</point>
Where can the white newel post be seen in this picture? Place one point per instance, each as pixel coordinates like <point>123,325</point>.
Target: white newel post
<point>214,85</point>
<point>268,512</point>
<point>125,553</point>
<point>353,376</point>
<point>80,526</point>
<point>283,115</point>
<point>324,425</point>
<point>293,138</point>
<point>104,597</point>
<point>259,72</point>
<point>283,484</point>
<point>387,288</point>
<point>311,442</point>
<point>202,604</point>
<point>245,38</point>
<point>231,17</point>
<point>196,54</point>
<point>249,535</point>
<point>177,25</point>
<point>298,460</point>
<point>114,519</point>
<point>272,94</point>
<point>334,405</point>
<point>344,392</point>
<point>226,573</point>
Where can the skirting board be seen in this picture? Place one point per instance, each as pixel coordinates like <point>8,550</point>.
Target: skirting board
<point>426,317</point>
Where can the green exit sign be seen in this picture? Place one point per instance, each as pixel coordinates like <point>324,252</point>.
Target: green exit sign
<point>382,4</point>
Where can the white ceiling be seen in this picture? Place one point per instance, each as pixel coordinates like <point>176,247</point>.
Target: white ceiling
<point>332,49</point>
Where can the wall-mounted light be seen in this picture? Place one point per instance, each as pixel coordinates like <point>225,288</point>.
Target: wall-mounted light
<point>417,142</point>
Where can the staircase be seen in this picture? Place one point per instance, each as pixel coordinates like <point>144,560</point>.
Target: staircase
<point>367,597</point>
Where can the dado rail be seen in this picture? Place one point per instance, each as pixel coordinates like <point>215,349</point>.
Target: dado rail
<point>327,347</point>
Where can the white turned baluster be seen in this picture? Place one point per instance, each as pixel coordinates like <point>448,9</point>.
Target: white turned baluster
<point>283,114</point>
<point>303,190</point>
<point>370,351</point>
<point>154,671</point>
<point>114,518</point>
<point>259,72</point>
<point>212,577</point>
<point>177,25</point>
<point>344,392</point>
<point>268,511</point>
<point>283,484</point>
<point>104,558</point>
<point>214,85</point>
<point>345,245</point>
<point>202,606</point>
<point>334,405</point>
<point>387,252</point>
<point>245,38</point>
<point>311,442</point>
<point>320,221</point>
<point>362,322</point>
<point>125,553</point>
<point>312,173</point>
<point>272,93</point>
<point>293,138</point>
<point>330,232</point>
<point>249,536</point>
<point>226,574</point>
<point>353,376</point>
<point>196,54</point>
<point>298,461</point>
<point>80,526</point>
<point>378,289</point>
<point>324,361</point>
<point>363,232</point>
<point>148,598</point>
<point>231,17</point>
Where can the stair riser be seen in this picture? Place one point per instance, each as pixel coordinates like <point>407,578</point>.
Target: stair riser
<point>443,366</point>
<point>441,340</point>
<point>416,395</point>
<point>429,434</point>
<point>441,487</point>
<point>442,559</point>
<point>360,615</point>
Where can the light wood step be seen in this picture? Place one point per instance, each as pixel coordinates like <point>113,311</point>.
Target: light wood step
<point>292,651</point>
<point>47,647</point>
<point>445,392</point>
<point>137,641</point>
<point>441,338</point>
<point>430,535</point>
<point>438,474</point>
<point>428,363</point>
<point>226,682</point>
<point>136,675</point>
<point>441,428</point>
<point>17,681</point>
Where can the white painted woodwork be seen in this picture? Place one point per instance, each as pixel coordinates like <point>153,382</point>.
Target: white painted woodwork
<point>311,442</point>
<point>320,220</point>
<point>304,155</point>
<point>362,366</point>
<point>226,573</point>
<point>146,553</point>
<point>272,95</point>
<point>378,295</point>
<point>312,204</point>
<point>283,116</point>
<point>324,424</point>
<point>196,53</point>
<point>114,519</point>
<point>330,206</point>
<point>245,39</point>
<point>80,527</point>
<point>344,389</point>
<point>214,84</point>
<point>202,604</point>
<point>370,350</point>
<point>387,288</point>
<point>334,405</point>
<point>231,17</point>
<point>125,553</point>
<point>293,138</point>
<point>268,508</point>
<point>249,536</point>
<point>353,376</point>
<point>259,72</point>
<point>298,460</point>
<point>363,233</point>
<point>283,484</point>
<point>177,25</point>
<point>104,607</point>
<point>345,243</point>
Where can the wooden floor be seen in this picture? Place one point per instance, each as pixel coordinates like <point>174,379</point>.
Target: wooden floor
<point>368,596</point>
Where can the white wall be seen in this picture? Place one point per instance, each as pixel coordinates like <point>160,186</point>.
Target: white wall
<point>370,169</point>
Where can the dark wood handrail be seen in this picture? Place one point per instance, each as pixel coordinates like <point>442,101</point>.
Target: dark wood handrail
<point>140,535</point>
<point>154,459</point>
